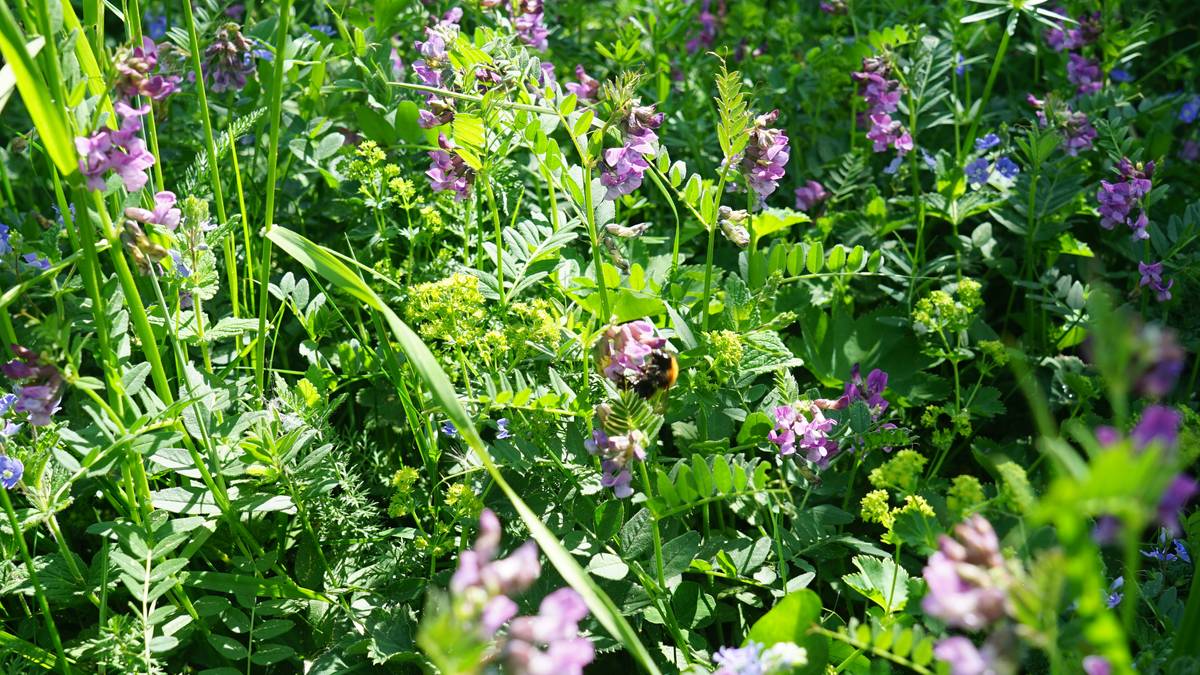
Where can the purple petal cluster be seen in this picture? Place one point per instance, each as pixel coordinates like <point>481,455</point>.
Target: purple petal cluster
<point>616,452</point>
<point>707,35</point>
<point>1085,74</point>
<point>1190,110</point>
<point>448,171</point>
<point>803,426</point>
<point>40,391</point>
<point>1118,200</point>
<point>136,76</point>
<point>624,167</point>
<point>994,657</point>
<point>1168,549</point>
<point>882,95</point>
<point>967,577</point>
<point>626,353</point>
<point>529,20</point>
<point>433,69</point>
<point>119,150</point>
<point>752,659</point>
<point>5,240</point>
<point>810,195</point>
<point>1077,131</point>
<point>1178,493</point>
<point>1152,276</point>
<point>1065,38</point>
<point>482,585</point>
<point>229,60</point>
<point>586,89</point>
<point>164,215</point>
<point>764,161</point>
<point>833,7</point>
<point>549,642</point>
<point>1161,360</point>
<point>870,392</point>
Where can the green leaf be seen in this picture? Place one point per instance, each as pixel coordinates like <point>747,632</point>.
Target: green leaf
<point>608,566</point>
<point>47,116</point>
<point>320,260</point>
<point>881,581</point>
<point>815,259</point>
<point>917,529</point>
<point>789,621</point>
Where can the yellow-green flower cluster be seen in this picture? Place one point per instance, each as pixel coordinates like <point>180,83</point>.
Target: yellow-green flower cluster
<point>900,472</point>
<point>450,309</point>
<point>463,501</point>
<point>876,507</point>
<point>941,312</point>
<point>402,502</point>
<point>727,350</point>
<point>965,495</point>
<point>1015,492</point>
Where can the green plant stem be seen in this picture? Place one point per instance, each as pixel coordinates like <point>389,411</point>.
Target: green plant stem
<point>264,297</point>
<point>63,665</point>
<point>597,260</point>
<point>214,173</point>
<point>969,139</point>
<point>491,198</point>
<point>708,256</point>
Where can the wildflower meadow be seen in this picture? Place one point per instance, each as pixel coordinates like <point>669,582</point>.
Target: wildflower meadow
<point>547,337</point>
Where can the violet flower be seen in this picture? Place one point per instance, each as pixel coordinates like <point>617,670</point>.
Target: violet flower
<point>136,76</point>
<point>1158,423</point>
<point>993,658</point>
<point>707,34</point>
<point>625,166</point>
<point>882,96</point>
<point>1118,200</point>
<point>1096,665</point>
<point>628,353</point>
<point>752,659</point>
<point>549,643</point>
<point>1178,493</point>
<point>5,241</point>
<point>41,386</point>
<point>967,577</point>
<point>764,161</point>
<point>481,585</point>
<point>530,24</point>
<point>1085,74</point>
<point>164,215</point>
<point>870,392</point>
<point>1151,275</point>
<point>1190,110</point>
<point>616,452</point>
<point>1115,596</point>
<point>978,172</point>
<point>119,150</point>
<point>987,142</point>
<point>803,426</point>
<point>587,89</point>
<point>228,61</point>
<point>448,171</point>
<point>810,195</point>
<point>1007,168</point>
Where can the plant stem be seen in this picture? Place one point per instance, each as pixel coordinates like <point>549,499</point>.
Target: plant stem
<point>708,256</point>
<point>969,140</point>
<point>63,664</point>
<point>491,197</point>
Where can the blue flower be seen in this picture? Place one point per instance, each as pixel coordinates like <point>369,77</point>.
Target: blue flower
<point>180,267</point>
<point>156,26</point>
<point>1168,552</point>
<point>977,172</point>
<point>502,431</point>
<point>929,160</point>
<point>894,166</point>
<point>5,244</point>
<point>960,67</point>
<point>1114,596</point>
<point>1190,110</point>
<point>33,260</point>
<point>1007,168</point>
<point>450,430</point>
<point>324,28</point>
<point>1181,551</point>
<point>1120,75</point>
<point>987,142</point>
<point>11,470</point>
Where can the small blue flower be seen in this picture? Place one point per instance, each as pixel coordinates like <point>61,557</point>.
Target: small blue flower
<point>324,28</point>
<point>1190,110</point>
<point>6,403</point>
<point>987,142</point>
<point>961,67</point>
<point>1007,168</point>
<point>5,244</point>
<point>929,160</point>
<point>1181,551</point>
<point>1114,596</point>
<point>10,471</point>
<point>156,26</point>
<point>894,166</point>
<point>1120,75</point>
<point>502,431</point>
<point>181,268</point>
<point>977,172</point>
<point>450,430</point>
<point>33,260</point>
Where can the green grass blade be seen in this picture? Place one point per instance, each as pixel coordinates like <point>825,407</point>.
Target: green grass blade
<point>323,262</point>
<point>46,116</point>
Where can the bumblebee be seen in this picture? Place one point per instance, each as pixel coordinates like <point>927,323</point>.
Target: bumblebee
<point>662,369</point>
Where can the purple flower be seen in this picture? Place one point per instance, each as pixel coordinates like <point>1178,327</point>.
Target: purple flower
<point>780,658</point>
<point>804,426</point>
<point>1189,151</point>
<point>1078,133</point>
<point>119,150</point>
<point>987,142</point>
<point>164,215</point>
<point>1190,110</point>
<point>324,29</point>
<point>1007,168</point>
<point>625,166</point>
<point>967,659</point>
<point>959,66</point>
<point>481,585</point>
<point>708,27</point>
<point>502,431</point>
<point>11,470</point>
<point>1117,200</point>
<point>41,389</point>
<point>1085,74</point>
<point>136,77</point>
<point>530,24</point>
<point>978,172</point>
<point>967,577</point>
<point>1152,276</point>
<point>549,643</point>
<point>1120,75</point>
<point>888,133</point>
<point>1158,423</point>
<point>629,353</point>
<point>871,392</point>
<point>1096,665</point>
<point>5,241</point>
<point>882,96</point>
<point>765,158</point>
<point>810,195</point>
<point>1161,359</point>
<point>1168,550</point>
<point>449,171</point>
<point>586,89</point>
<point>181,268</point>
<point>228,61</point>
<point>1178,494</point>
<point>616,452</point>
<point>1063,38</point>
